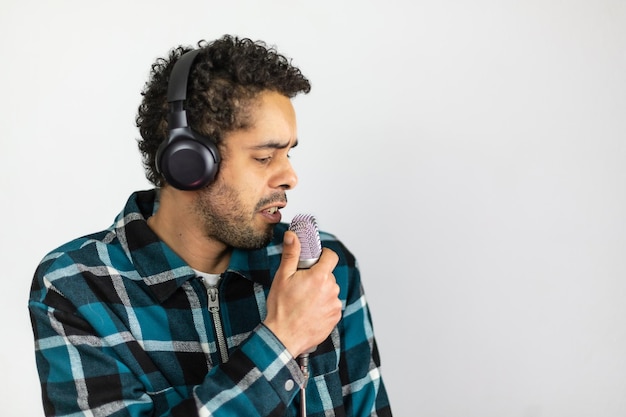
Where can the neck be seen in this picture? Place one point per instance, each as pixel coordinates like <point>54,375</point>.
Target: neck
<point>175,224</point>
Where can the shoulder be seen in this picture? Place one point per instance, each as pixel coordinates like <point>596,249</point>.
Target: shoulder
<point>71,259</point>
<point>95,253</point>
<point>80,250</point>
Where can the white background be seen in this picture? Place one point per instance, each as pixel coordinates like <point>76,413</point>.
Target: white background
<point>472,154</point>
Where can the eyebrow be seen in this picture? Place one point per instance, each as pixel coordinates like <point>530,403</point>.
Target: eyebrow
<point>275,145</point>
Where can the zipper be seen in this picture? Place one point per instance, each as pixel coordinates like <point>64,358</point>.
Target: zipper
<point>214,309</point>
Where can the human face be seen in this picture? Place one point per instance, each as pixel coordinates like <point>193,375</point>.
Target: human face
<point>241,207</point>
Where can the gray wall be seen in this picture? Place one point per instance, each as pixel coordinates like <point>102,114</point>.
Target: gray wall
<point>471,154</point>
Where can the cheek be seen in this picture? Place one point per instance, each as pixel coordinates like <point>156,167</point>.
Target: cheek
<point>239,174</point>
<point>246,186</point>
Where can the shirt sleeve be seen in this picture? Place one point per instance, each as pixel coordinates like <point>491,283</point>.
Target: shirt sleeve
<point>266,379</point>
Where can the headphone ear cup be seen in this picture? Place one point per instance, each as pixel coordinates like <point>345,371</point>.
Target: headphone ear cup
<point>188,161</point>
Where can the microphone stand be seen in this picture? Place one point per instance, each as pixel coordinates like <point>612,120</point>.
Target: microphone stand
<point>303,361</point>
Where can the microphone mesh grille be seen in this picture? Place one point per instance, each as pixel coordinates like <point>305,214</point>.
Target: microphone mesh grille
<point>305,226</point>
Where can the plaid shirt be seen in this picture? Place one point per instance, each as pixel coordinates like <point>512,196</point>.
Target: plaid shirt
<point>122,328</point>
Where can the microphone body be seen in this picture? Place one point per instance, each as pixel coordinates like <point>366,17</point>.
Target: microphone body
<point>305,227</point>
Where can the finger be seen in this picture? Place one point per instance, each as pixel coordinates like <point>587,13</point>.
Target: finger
<point>328,260</point>
<point>291,255</point>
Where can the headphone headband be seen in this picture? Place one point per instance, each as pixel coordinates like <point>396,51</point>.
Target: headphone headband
<point>177,85</point>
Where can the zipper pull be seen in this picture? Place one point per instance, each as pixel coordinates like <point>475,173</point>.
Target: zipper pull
<point>214,304</point>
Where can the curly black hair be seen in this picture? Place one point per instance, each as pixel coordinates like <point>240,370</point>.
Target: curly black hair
<point>227,75</point>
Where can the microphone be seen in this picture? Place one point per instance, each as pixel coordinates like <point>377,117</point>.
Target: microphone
<point>305,227</point>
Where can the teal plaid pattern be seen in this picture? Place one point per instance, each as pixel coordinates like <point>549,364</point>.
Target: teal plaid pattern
<point>121,328</point>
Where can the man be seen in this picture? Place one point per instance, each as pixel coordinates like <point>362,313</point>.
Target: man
<point>192,303</point>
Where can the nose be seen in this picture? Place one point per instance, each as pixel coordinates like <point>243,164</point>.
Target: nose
<point>286,177</point>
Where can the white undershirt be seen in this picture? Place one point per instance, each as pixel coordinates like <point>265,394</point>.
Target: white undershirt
<point>209,279</point>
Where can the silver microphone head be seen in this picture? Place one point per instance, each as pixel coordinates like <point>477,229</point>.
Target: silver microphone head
<point>305,226</point>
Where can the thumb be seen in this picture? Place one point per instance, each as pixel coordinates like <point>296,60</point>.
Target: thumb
<point>291,254</point>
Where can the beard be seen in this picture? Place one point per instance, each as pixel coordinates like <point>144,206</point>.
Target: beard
<point>226,219</point>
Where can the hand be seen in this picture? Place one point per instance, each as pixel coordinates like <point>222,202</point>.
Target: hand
<point>303,305</point>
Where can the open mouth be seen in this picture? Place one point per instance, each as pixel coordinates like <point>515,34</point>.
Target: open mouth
<point>272,214</point>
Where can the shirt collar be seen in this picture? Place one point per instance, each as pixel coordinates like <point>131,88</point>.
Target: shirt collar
<point>162,269</point>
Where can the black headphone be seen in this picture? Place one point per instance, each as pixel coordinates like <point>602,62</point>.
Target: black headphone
<point>187,160</point>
